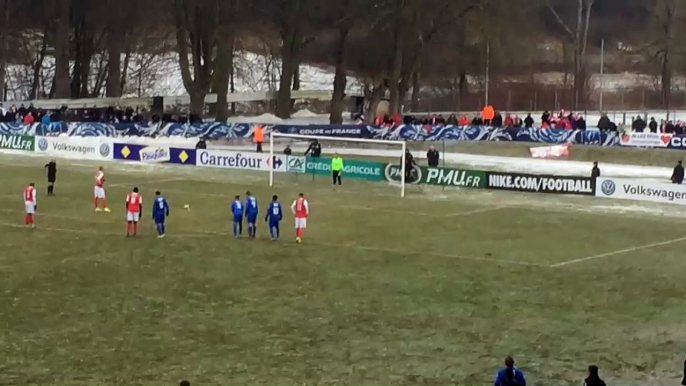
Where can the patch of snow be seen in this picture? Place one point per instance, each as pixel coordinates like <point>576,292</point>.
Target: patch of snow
<point>304,114</point>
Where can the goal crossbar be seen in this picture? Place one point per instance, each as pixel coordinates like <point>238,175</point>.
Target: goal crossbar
<point>402,144</point>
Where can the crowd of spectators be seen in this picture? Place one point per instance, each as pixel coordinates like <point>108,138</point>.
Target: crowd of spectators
<point>31,114</point>
<point>494,118</point>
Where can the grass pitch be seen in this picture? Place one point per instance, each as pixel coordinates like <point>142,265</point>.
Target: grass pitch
<point>436,288</point>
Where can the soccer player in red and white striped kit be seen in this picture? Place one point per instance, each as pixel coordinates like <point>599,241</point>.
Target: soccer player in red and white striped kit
<point>31,204</point>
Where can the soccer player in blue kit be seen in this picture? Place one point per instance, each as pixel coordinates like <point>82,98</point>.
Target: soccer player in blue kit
<point>237,210</point>
<point>251,212</point>
<point>160,212</point>
<point>274,216</point>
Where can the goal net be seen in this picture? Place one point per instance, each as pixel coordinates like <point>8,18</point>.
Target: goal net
<point>312,159</point>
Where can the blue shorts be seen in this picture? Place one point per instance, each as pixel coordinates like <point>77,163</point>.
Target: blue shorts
<point>160,219</point>
<point>252,218</point>
<point>237,219</point>
<point>274,224</point>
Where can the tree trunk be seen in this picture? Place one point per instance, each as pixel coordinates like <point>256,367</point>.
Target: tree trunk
<point>414,103</point>
<point>61,20</point>
<point>375,96</point>
<point>37,66</point>
<point>666,81</point>
<point>114,51</point>
<point>340,80</point>
<point>4,40</point>
<point>198,102</point>
<point>396,71</point>
<point>222,78</point>
<point>125,71</point>
<point>291,45</point>
<point>283,97</point>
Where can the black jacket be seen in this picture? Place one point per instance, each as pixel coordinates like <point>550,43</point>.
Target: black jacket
<point>653,126</point>
<point>529,121</point>
<point>605,124</point>
<point>433,157</point>
<point>595,381</point>
<point>315,150</point>
<point>595,172</point>
<point>52,171</point>
<point>678,174</point>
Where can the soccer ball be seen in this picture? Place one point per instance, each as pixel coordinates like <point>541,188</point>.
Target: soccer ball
<point>187,207</point>
<point>298,240</point>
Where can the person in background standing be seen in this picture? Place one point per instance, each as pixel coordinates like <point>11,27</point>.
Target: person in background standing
<point>258,137</point>
<point>201,145</point>
<point>52,176</point>
<point>595,172</point>
<point>337,169</point>
<point>593,377</point>
<point>433,157</point>
<point>287,150</point>
<point>678,174</point>
<point>315,149</point>
<point>652,125</point>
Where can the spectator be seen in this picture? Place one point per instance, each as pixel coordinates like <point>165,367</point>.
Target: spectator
<point>639,125</point>
<point>464,121</point>
<point>652,125</point>
<point>29,119</point>
<point>3,110</point>
<point>593,377</point>
<point>287,150</point>
<point>433,156</point>
<point>315,149</point>
<point>46,118</point>
<point>528,121</point>
<point>452,120</point>
<point>517,122</point>
<point>477,121</point>
<point>516,376</point>
<point>509,122</point>
<point>669,127</point>
<point>580,122</point>
<point>545,118</point>
<point>258,137</point>
<point>201,145</point>
<point>604,123</point>
<point>497,120</point>
<point>595,172</point>
<point>678,174</point>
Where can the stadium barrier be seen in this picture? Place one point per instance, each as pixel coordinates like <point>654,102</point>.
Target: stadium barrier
<point>224,131</point>
<point>440,176</point>
<point>87,148</point>
<point>631,189</point>
<point>534,183</point>
<point>98,148</point>
<point>17,142</point>
<point>368,170</point>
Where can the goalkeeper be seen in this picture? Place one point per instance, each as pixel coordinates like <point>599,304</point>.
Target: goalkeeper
<point>336,169</point>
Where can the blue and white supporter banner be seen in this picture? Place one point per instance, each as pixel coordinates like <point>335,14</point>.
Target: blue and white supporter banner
<point>222,131</point>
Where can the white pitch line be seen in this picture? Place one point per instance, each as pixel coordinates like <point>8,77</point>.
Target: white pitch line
<point>476,211</point>
<point>619,252</point>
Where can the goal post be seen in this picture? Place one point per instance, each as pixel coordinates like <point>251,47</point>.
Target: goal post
<point>274,136</point>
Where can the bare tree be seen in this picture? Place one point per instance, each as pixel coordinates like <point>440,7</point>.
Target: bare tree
<point>196,24</point>
<point>577,33</point>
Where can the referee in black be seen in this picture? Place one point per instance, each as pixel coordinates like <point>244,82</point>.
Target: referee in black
<point>52,176</point>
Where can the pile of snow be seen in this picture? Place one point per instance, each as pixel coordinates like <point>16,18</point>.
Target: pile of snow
<point>268,119</point>
<point>305,114</point>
